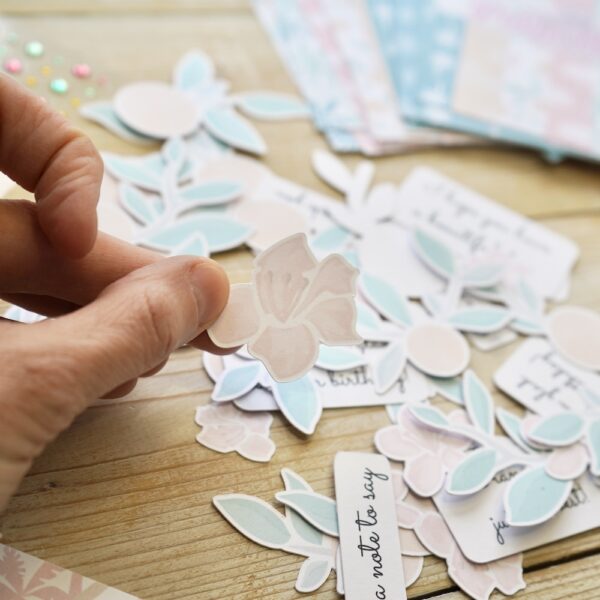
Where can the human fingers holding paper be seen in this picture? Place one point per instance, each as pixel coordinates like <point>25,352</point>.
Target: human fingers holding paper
<point>121,310</point>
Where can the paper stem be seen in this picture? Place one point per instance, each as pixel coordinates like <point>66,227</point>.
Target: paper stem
<point>506,456</point>
<point>311,550</point>
<point>452,296</point>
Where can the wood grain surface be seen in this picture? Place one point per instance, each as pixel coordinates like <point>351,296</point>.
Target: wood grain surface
<point>124,496</point>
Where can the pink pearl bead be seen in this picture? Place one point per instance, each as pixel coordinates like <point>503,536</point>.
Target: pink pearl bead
<point>13,66</point>
<point>81,71</point>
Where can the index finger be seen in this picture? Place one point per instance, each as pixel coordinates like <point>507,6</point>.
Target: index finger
<point>44,154</point>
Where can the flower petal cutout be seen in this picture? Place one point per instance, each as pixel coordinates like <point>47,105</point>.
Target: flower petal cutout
<point>293,304</point>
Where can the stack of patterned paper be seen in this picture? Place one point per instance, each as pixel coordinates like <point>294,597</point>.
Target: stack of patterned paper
<point>386,76</point>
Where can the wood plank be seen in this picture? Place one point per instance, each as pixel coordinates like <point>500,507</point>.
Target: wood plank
<point>125,494</point>
<point>571,579</point>
<point>95,7</point>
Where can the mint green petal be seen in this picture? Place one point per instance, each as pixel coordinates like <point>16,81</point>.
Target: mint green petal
<point>534,497</point>
<point>254,518</point>
<point>318,510</point>
<point>473,473</point>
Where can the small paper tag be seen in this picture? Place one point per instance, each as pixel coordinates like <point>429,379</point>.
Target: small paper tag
<point>478,523</point>
<point>369,538</point>
<point>542,381</point>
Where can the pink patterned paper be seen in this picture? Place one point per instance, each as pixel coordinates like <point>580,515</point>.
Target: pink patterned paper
<point>532,66</point>
<point>25,577</point>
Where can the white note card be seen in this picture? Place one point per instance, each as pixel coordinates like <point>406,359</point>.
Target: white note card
<point>369,537</point>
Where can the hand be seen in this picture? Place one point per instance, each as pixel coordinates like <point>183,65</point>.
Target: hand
<point>121,310</point>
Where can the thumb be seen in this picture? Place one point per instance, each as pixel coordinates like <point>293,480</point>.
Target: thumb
<point>137,322</point>
<point>54,369</point>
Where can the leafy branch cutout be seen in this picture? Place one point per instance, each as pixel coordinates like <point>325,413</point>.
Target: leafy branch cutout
<point>309,528</point>
<point>552,450</point>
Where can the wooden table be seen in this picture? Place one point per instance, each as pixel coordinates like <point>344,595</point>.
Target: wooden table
<point>124,496</point>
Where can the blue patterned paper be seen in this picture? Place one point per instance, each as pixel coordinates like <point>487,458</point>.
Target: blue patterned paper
<point>421,41</point>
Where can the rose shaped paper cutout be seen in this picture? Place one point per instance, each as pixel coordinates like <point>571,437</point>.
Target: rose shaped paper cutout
<point>293,303</point>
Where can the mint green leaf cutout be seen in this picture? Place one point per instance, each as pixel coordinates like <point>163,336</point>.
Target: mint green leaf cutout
<point>512,427</point>
<point>389,367</point>
<point>195,245</point>
<point>318,510</point>
<point>561,429</point>
<point>480,319</point>
<point>221,233</point>
<point>211,193</point>
<point>134,171</point>
<point>430,416</point>
<point>529,299</point>
<point>435,254</point>
<point>336,358</point>
<point>194,71</point>
<point>144,171</point>
<point>236,382</point>
<point>366,317</point>
<point>234,130</point>
<point>271,105</point>
<point>313,574</point>
<point>293,482</point>
<point>137,205</point>
<point>174,151</point>
<point>385,299</point>
<point>533,497</point>
<point>330,240</point>
<point>527,327</point>
<point>593,446</point>
<point>434,303</point>
<point>478,402</point>
<point>483,275</point>
<point>473,473</point>
<point>103,113</point>
<point>450,388</point>
<point>299,402</point>
<point>254,518</point>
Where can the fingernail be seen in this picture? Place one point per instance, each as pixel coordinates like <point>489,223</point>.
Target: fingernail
<point>211,289</point>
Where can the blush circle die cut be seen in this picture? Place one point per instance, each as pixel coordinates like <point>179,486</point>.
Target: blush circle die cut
<point>575,332</point>
<point>437,349</point>
<point>156,109</point>
<point>271,221</point>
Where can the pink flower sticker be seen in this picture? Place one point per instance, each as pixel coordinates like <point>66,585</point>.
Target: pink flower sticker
<point>293,304</point>
<point>226,428</point>
<point>428,454</point>
<point>477,580</point>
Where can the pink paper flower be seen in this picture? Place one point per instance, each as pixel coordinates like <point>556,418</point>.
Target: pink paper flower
<point>293,303</point>
<point>567,462</point>
<point>427,454</point>
<point>477,580</point>
<point>226,428</point>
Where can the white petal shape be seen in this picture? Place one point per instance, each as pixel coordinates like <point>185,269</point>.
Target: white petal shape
<point>332,170</point>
